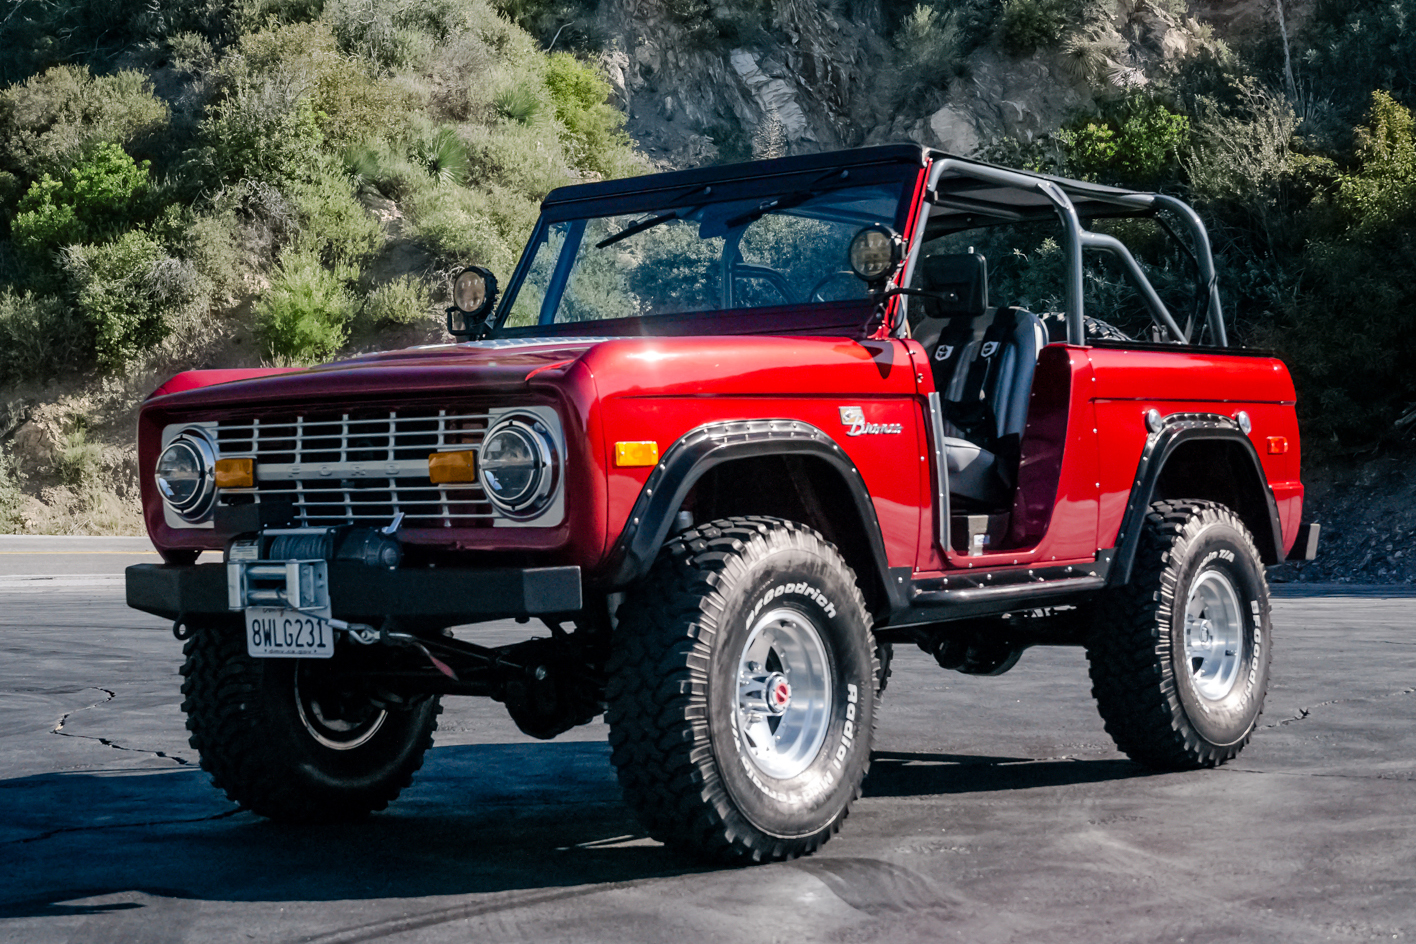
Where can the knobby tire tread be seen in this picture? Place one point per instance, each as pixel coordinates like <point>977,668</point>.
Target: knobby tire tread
<point>657,696</point>
<point>1132,678</point>
<point>220,681</point>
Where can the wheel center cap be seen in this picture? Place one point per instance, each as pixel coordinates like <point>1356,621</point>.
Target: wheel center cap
<point>778,692</point>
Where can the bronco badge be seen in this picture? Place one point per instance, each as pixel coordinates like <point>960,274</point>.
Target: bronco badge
<point>854,418</point>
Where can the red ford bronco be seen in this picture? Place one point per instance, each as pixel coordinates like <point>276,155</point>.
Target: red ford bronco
<point>731,433</point>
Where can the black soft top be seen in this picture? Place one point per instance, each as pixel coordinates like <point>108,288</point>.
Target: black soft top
<point>957,181</point>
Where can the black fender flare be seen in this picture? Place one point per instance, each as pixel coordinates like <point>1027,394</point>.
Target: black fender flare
<point>1177,430</point>
<point>713,444</point>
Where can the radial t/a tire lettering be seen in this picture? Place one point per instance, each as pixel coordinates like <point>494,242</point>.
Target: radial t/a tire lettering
<point>1180,656</point>
<point>743,691</point>
<point>285,743</point>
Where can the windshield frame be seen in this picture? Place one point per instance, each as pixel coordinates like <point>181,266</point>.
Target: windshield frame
<point>833,317</point>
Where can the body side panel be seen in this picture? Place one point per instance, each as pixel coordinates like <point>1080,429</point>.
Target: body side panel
<point>1130,383</point>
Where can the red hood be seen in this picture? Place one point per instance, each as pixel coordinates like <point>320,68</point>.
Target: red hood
<point>452,368</point>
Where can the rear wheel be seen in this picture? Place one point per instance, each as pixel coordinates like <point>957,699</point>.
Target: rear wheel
<point>742,692</point>
<point>1180,656</point>
<point>286,740</point>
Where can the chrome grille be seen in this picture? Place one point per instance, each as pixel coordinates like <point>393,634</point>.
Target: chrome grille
<point>361,465</point>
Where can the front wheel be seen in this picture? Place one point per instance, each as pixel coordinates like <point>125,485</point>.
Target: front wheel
<point>1180,656</point>
<point>287,739</point>
<point>742,692</point>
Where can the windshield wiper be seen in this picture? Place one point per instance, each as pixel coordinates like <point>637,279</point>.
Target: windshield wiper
<point>793,199</point>
<point>639,227</point>
<point>654,221</point>
<point>767,206</point>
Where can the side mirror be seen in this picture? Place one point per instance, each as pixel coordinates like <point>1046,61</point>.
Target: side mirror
<point>875,253</point>
<point>474,295</point>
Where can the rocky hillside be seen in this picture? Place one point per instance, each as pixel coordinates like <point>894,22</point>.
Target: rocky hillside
<point>815,76</point>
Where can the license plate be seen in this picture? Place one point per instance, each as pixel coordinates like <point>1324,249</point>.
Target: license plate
<point>273,632</point>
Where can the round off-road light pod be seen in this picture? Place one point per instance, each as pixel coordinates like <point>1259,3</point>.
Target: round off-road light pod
<point>516,466</point>
<point>185,474</point>
<point>875,252</point>
<point>469,291</point>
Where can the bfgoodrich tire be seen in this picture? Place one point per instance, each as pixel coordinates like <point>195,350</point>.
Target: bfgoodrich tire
<point>1180,656</point>
<point>285,743</point>
<point>742,691</point>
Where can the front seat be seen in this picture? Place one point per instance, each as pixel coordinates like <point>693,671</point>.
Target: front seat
<point>983,361</point>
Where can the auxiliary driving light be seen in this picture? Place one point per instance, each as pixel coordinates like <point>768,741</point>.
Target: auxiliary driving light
<point>875,252</point>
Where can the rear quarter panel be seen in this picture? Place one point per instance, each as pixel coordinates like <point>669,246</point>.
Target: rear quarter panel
<point>1128,383</point>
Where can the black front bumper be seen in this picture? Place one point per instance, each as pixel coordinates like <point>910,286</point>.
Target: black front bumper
<point>360,593</point>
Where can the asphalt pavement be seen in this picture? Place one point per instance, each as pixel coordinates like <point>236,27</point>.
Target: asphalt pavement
<point>996,808</point>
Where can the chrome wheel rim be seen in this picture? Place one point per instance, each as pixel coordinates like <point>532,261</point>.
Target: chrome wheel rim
<point>332,729</point>
<point>785,680</point>
<point>1214,635</point>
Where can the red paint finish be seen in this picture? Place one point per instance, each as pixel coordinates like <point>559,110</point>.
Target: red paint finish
<point>193,379</point>
<point>1129,383</point>
<point>1059,417</point>
<point>665,387</point>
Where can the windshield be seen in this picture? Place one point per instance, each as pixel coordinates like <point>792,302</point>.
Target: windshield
<point>700,257</point>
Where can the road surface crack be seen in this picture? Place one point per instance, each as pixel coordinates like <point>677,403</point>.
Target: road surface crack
<point>59,730</point>
<point>49,834</point>
<point>1305,712</point>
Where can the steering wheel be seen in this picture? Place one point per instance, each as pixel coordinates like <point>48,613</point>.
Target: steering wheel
<point>745,273</point>
<point>815,295</point>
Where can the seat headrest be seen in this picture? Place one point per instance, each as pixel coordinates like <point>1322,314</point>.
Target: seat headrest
<point>964,276</point>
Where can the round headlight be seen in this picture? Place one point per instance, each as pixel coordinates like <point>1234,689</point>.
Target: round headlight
<point>874,252</point>
<point>516,466</point>
<point>184,475</point>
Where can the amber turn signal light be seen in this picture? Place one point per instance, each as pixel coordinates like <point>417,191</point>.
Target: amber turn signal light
<point>1278,445</point>
<point>630,454</point>
<point>236,473</point>
<point>458,466</point>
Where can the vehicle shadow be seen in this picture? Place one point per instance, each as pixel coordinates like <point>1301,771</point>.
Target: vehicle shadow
<point>541,819</point>
<point>900,774</point>
<point>478,819</point>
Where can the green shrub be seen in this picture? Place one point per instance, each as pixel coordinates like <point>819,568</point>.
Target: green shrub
<point>41,337</point>
<point>930,47</point>
<point>77,461</point>
<point>12,497</point>
<point>1135,143</point>
<point>1030,25</point>
<point>348,103</point>
<point>101,196</point>
<point>129,291</point>
<point>208,241</point>
<point>442,155</point>
<point>461,226</point>
<point>595,139</point>
<point>332,225</point>
<point>404,300</point>
<point>1382,190</point>
<point>52,119</point>
<point>265,130</point>
<point>251,15</point>
<point>526,160</point>
<point>304,316</point>
<point>383,169</point>
<point>519,103</point>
